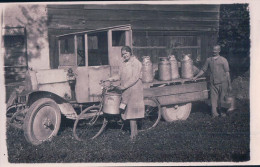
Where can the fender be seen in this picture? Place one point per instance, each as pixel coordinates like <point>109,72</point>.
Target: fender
<point>65,107</point>
<point>51,80</point>
<point>44,84</point>
<point>67,110</point>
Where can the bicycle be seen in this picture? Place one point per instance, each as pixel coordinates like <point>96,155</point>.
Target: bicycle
<point>91,122</point>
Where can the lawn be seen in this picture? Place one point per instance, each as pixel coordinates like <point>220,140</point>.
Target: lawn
<point>198,139</point>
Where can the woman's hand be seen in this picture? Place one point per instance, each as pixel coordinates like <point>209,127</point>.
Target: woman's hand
<point>120,87</point>
<point>194,78</point>
<point>110,79</point>
<point>229,88</point>
<point>114,78</point>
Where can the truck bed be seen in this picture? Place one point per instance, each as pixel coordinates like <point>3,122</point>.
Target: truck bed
<point>177,91</point>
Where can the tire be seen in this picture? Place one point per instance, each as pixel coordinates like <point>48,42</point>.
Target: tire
<point>152,114</point>
<point>42,121</point>
<point>89,124</point>
<point>178,112</point>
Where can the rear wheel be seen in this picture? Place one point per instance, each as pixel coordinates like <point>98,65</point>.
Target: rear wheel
<point>152,114</point>
<point>89,124</point>
<point>42,121</point>
<point>177,112</point>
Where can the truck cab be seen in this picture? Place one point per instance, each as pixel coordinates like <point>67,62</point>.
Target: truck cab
<point>85,58</point>
<point>93,56</point>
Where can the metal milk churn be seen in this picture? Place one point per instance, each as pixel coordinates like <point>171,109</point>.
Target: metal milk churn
<point>174,67</point>
<point>186,67</point>
<point>111,103</point>
<point>164,69</point>
<point>230,99</point>
<point>147,69</point>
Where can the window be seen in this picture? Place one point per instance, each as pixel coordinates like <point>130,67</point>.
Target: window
<point>67,52</point>
<point>182,45</point>
<point>67,45</point>
<point>118,38</point>
<point>14,41</point>
<point>15,54</point>
<point>162,43</point>
<point>97,49</point>
<point>81,50</point>
<point>92,42</point>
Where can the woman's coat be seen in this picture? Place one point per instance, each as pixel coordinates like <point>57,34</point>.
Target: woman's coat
<point>130,78</point>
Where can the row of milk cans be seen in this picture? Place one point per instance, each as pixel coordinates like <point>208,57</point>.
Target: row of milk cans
<point>168,68</point>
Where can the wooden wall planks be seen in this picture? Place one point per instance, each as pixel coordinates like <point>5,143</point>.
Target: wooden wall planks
<point>165,7</point>
<point>166,17</point>
<point>130,15</point>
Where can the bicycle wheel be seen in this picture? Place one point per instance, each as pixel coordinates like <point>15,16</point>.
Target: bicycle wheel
<point>89,124</point>
<point>152,114</point>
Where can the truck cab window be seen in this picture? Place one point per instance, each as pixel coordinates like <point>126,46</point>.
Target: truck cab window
<point>118,38</point>
<point>81,50</point>
<point>67,45</point>
<point>67,52</point>
<point>97,49</point>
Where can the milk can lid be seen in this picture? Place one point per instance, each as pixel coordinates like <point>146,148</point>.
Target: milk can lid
<point>172,57</point>
<point>113,93</point>
<point>186,57</point>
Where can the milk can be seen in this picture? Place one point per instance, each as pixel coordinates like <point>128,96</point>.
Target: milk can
<point>164,69</point>
<point>174,67</point>
<point>147,69</point>
<point>186,67</point>
<point>111,103</point>
<point>230,99</point>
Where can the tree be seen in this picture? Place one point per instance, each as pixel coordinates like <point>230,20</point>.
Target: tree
<point>234,30</point>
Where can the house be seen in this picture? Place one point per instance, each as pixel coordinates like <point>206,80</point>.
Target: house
<point>157,31</point>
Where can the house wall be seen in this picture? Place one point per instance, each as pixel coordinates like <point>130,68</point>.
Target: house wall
<point>150,22</point>
<point>153,17</point>
<point>34,19</point>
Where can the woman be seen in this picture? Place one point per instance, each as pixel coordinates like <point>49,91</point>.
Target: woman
<point>130,83</point>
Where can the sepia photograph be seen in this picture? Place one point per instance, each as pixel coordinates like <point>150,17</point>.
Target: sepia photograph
<point>136,83</point>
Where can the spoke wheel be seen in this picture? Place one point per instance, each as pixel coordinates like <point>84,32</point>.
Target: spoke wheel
<point>42,121</point>
<point>177,112</point>
<point>152,114</point>
<point>89,124</point>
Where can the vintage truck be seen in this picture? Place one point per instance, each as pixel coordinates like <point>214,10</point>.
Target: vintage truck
<point>85,58</point>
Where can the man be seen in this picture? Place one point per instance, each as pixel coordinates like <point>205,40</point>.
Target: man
<point>132,87</point>
<point>220,82</point>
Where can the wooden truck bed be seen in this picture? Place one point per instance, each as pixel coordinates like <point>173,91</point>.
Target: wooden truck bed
<point>177,91</point>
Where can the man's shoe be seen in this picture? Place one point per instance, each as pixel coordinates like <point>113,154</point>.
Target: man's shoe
<point>215,115</point>
<point>122,111</point>
<point>223,115</point>
<point>120,122</point>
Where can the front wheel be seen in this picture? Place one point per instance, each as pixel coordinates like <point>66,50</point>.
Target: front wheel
<point>89,124</point>
<point>42,121</point>
<point>152,114</point>
<point>177,112</point>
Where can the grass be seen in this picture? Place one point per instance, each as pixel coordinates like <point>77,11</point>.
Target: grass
<point>198,139</point>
